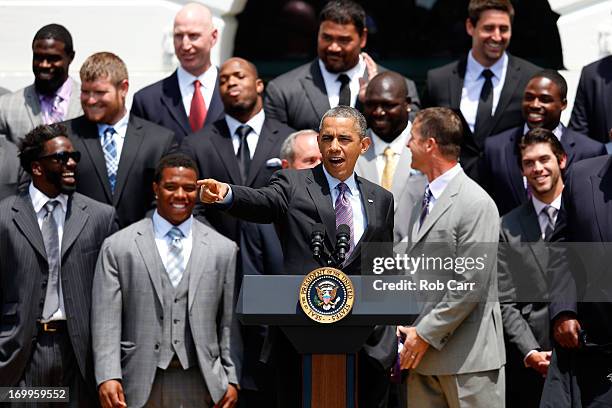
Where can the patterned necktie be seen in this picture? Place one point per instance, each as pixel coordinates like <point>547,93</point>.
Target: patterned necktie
<point>52,245</point>
<point>197,111</point>
<point>485,103</point>
<point>174,268</point>
<point>244,154</point>
<point>427,196</point>
<point>389,169</point>
<point>551,213</point>
<point>344,213</point>
<point>345,90</point>
<point>110,156</point>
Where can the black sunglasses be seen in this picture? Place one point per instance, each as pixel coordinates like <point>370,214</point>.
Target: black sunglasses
<point>63,157</point>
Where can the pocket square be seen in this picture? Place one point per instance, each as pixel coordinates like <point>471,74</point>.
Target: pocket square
<point>273,162</point>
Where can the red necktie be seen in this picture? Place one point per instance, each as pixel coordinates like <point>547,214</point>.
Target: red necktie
<point>197,113</point>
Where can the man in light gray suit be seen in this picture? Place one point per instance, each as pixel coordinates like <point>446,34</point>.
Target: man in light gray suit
<point>13,178</point>
<point>53,97</point>
<point>387,161</point>
<point>455,350</point>
<point>162,304</point>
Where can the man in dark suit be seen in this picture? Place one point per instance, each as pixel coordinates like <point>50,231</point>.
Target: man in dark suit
<point>523,268</point>
<point>543,101</point>
<point>592,113</point>
<point>294,200</point>
<point>189,98</point>
<point>50,241</point>
<point>13,178</point>
<point>120,150</point>
<point>338,76</point>
<point>487,85</point>
<point>243,148</point>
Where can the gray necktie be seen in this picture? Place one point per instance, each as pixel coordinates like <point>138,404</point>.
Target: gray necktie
<point>51,240</point>
<point>175,256</point>
<point>550,212</point>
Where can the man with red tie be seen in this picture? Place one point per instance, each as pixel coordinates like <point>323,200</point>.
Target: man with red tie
<point>189,98</point>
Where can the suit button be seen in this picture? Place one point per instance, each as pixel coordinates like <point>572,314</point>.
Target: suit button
<point>44,285</point>
<point>176,321</point>
<point>175,300</point>
<point>161,318</point>
<point>156,346</point>
<point>176,342</point>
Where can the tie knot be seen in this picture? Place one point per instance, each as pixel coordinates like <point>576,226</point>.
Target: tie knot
<point>427,196</point>
<point>550,211</point>
<point>243,131</point>
<point>389,153</point>
<point>109,132</point>
<point>487,74</point>
<point>197,84</point>
<point>342,188</point>
<point>343,79</point>
<point>50,205</point>
<point>175,233</point>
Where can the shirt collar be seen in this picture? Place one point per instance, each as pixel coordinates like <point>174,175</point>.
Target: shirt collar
<point>120,127</point>
<point>63,91</point>
<point>39,199</point>
<point>474,69</point>
<point>162,226</point>
<point>397,145</point>
<point>438,185</point>
<point>208,79</point>
<point>558,131</point>
<point>333,182</point>
<point>539,205</point>
<point>256,123</point>
<point>358,70</point>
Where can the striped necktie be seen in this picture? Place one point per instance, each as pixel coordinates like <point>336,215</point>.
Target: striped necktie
<point>174,268</point>
<point>344,212</point>
<point>110,156</point>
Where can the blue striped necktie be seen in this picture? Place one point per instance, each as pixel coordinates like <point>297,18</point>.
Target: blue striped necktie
<point>110,156</point>
<point>174,268</point>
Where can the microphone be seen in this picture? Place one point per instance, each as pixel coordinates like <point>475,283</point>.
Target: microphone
<point>343,243</point>
<point>316,241</point>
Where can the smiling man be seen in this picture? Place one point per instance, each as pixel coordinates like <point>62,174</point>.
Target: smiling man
<point>119,149</point>
<point>294,200</point>
<point>54,95</point>
<point>51,237</point>
<point>163,304</point>
<point>485,86</point>
<point>544,99</point>
<point>338,76</point>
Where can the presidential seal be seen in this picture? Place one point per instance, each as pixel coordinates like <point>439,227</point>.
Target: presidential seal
<point>326,295</point>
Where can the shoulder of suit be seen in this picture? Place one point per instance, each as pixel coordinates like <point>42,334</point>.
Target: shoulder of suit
<point>153,129</point>
<point>277,125</point>
<point>19,95</point>
<point>594,67</point>
<point>497,141</point>
<point>583,140</point>
<point>589,167</point>
<point>213,235</point>
<point>471,189</point>
<point>523,64</point>
<point>512,217</point>
<point>91,205</point>
<point>289,78</point>
<point>377,189</point>
<point>154,88</point>
<point>444,70</point>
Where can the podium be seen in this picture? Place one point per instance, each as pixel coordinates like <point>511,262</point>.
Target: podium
<point>328,350</point>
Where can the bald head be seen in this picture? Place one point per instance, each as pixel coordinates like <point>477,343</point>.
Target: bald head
<point>300,150</point>
<point>194,37</point>
<point>387,105</point>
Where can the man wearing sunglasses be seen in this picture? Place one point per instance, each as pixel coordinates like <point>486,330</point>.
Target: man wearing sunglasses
<point>50,238</point>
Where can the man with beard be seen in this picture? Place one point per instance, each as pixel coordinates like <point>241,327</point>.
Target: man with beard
<point>50,239</point>
<point>544,99</point>
<point>338,76</point>
<point>242,148</point>
<point>54,95</point>
<point>387,161</point>
<point>120,150</point>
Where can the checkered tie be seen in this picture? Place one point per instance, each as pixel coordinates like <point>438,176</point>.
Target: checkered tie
<point>174,268</point>
<point>110,156</point>
<point>344,212</point>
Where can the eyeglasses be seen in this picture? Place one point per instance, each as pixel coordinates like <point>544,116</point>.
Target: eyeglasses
<point>63,157</point>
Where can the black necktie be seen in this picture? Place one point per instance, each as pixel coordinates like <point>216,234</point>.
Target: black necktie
<point>485,103</point>
<point>345,90</point>
<point>244,154</point>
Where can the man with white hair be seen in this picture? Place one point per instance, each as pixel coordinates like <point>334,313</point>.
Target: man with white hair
<point>300,150</point>
<point>189,98</point>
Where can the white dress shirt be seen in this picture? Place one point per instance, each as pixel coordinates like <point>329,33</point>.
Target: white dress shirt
<point>332,85</point>
<point>39,199</point>
<point>439,184</point>
<point>397,146</point>
<point>472,86</point>
<point>256,124</point>
<point>161,227</point>
<point>119,135</point>
<point>185,80</point>
<point>542,216</point>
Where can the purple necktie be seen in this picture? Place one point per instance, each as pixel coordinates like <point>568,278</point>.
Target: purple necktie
<point>50,105</point>
<point>344,212</point>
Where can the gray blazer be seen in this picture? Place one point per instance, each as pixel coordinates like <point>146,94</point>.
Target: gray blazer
<point>407,188</point>
<point>127,309</point>
<point>20,111</point>
<point>463,327</point>
<point>12,176</point>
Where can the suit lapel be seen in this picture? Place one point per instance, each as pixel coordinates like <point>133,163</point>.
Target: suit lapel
<point>369,204</point>
<point>315,89</point>
<point>172,99</point>
<point>268,139</point>
<point>25,218</point>
<point>318,188</point>
<point>455,83</point>
<point>531,231</point>
<point>602,206</point>
<point>569,145</point>
<point>606,84</point>
<point>508,90</point>
<point>512,168</point>
<point>74,104</point>
<point>32,106</point>
<point>145,241</point>
<point>216,106</point>
<point>222,142</point>
<point>134,137</point>
<point>76,219</point>
<point>401,176</point>
<point>88,132</point>
<point>198,260</point>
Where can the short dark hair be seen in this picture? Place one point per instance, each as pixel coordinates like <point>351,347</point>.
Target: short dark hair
<point>56,32</point>
<point>33,144</point>
<point>477,7</point>
<point>342,111</point>
<point>540,135</point>
<point>174,160</point>
<point>555,77</point>
<point>344,12</point>
<point>443,125</point>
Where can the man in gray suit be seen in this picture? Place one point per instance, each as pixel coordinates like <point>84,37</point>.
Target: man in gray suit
<point>523,264</point>
<point>338,76</point>
<point>162,304</point>
<point>387,161</point>
<point>54,96</point>
<point>13,178</point>
<point>50,237</point>
<point>455,350</point>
